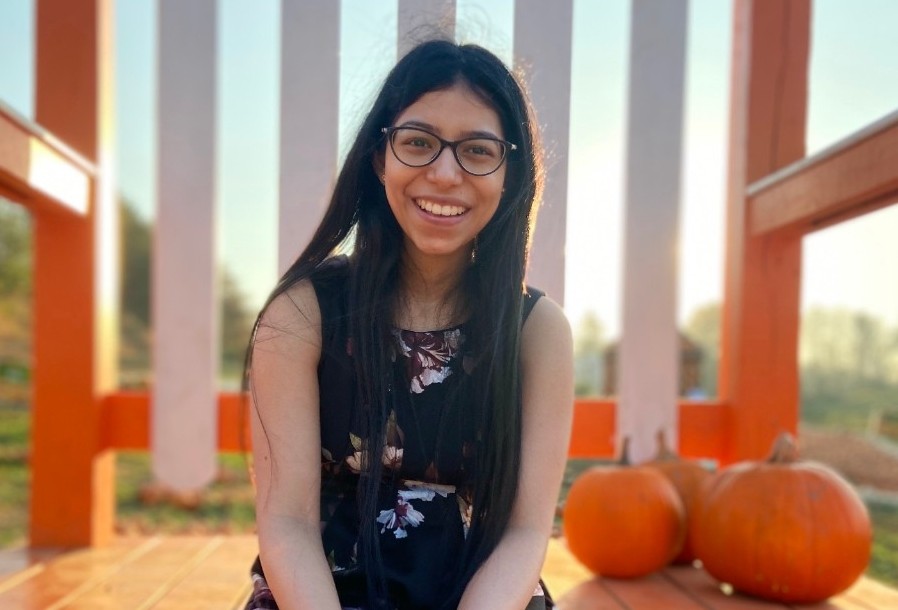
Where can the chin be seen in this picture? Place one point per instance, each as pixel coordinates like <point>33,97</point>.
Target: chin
<point>440,250</point>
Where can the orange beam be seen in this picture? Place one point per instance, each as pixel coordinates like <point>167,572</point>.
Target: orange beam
<point>702,428</point>
<point>233,423</point>
<point>759,363</point>
<point>126,425</point>
<point>594,428</point>
<point>126,422</point>
<point>14,155</point>
<point>855,176</point>
<point>39,171</point>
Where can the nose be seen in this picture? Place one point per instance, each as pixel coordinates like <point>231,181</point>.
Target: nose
<point>445,169</point>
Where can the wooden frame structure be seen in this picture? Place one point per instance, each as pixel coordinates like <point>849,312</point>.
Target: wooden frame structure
<point>66,188</point>
<point>775,197</point>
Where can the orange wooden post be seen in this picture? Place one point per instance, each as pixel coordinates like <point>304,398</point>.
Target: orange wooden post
<point>759,368</point>
<point>72,492</point>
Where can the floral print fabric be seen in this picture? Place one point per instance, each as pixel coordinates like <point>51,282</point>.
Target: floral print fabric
<point>404,515</point>
<point>428,355</point>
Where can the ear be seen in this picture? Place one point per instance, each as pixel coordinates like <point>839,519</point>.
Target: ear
<point>377,162</point>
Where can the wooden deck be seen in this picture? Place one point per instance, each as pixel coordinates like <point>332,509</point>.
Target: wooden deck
<point>181,572</point>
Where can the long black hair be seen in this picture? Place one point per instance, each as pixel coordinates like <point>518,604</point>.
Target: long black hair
<point>492,287</point>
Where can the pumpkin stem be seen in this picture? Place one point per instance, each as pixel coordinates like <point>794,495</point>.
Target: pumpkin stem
<point>665,453</point>
<point>624,459</point>
<point>785,450</point>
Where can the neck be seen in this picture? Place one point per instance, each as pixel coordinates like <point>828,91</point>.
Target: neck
<point>430,290</point>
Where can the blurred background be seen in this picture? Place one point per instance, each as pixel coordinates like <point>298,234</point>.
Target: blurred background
<point>849,327</point>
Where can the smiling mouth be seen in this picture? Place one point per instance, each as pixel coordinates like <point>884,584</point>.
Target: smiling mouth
<point>440,210</point>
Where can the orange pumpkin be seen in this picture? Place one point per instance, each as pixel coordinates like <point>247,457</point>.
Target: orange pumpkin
<point>623,521</point>
<point>687,478</point>
<point>782,529</point>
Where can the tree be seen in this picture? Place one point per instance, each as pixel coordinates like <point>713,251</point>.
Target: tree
<point>848,367</point>
<point>15,302</point>
<point>589,342</point>
<point>236,324</point>
<point>136,253</point>
<point>870,345</point>
<point>15,251</point>
<point>236,320</point>
<point>134,321</point>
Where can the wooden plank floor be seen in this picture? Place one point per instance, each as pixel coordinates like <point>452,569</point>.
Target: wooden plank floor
<point>196,572</point>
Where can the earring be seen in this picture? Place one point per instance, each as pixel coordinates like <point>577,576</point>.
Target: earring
<point>474,251</point>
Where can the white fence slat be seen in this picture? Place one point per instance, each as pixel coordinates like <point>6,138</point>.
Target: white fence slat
<point>419,20</point>
<point>310,103</point>
<point>542,49</point>
<point>649,349</point>
<point>184,406</point>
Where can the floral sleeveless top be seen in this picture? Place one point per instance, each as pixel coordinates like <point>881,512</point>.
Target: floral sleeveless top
<point>425,499</point>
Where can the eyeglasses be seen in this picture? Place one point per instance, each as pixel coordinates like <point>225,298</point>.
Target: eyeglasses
<point>416,147</point>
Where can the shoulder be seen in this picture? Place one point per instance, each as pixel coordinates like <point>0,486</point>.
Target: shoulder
<point>543,317</point>
<point>290,325</point>
<point>331,283</point>
<point>546,334</point>
<point>303,315</point>
<point>531,296</point>
<point>547,364</point>
<point>307,298</point>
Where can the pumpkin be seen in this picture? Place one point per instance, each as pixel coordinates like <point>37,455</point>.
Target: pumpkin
<point>623,521</point>
<point>783,529</point>
<point>687,478</point>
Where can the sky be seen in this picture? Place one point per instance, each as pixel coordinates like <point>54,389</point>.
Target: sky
<point>854,59</point>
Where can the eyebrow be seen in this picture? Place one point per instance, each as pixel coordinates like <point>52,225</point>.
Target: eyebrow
<point>465,134</point>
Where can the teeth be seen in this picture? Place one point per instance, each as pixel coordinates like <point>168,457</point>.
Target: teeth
<point>439,210</point>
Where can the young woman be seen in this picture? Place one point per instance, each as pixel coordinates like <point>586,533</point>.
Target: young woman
<point>412,400</point>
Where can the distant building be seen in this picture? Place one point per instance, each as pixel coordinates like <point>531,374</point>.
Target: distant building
<point>691,356</point>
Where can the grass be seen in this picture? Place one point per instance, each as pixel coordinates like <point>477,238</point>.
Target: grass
<point>14,475</point>
<point>884,560</point>
<point>226,506</point>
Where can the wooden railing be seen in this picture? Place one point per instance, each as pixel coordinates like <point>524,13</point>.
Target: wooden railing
<point>126,425</point>
<point>775,197</point>
<point>67,190</point>
<point>40,171</point>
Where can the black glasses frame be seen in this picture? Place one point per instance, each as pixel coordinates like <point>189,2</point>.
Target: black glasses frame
<point>389,132</point>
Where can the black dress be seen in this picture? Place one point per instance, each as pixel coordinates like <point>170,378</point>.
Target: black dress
<point>426,494</point>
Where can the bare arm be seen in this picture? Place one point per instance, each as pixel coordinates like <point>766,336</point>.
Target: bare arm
<point>507,579</point>
<point>287,451</point>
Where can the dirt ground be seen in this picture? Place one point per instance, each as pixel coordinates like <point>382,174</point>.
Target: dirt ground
<point>864,462</point>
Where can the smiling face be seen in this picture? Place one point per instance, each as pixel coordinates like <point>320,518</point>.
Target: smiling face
<point>440,207</point>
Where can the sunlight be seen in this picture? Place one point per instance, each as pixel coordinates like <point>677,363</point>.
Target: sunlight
<point>50,173</point>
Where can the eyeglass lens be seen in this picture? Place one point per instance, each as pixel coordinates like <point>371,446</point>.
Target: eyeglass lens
<point>417,148</point>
